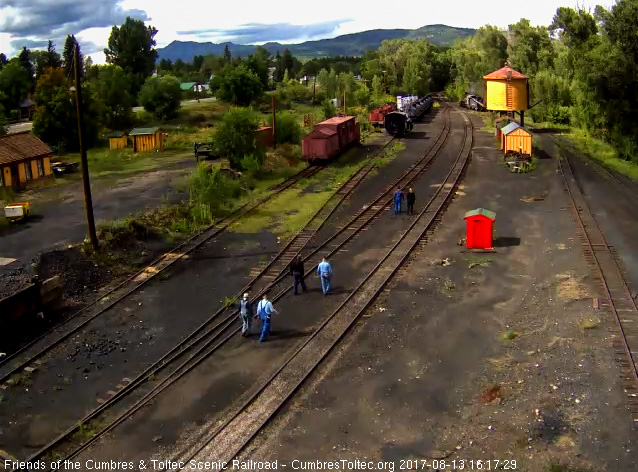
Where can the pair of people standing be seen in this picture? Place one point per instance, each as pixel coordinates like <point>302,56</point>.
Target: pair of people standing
<point>324,271</point>
<point>398,201</point>
<point>265,310</point>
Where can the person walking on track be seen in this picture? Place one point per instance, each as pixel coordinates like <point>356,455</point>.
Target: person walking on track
<point>296,270</point>
<point>410,198</point>
<point>324,271</point>
<point>245,314</point>
<point>398,199</point>
<point>265,311</point>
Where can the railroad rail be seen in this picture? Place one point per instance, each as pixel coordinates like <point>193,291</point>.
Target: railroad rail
<point>603,261</point>
<point>133,283</point>
<point>206,339</point>
<point>233,435</point>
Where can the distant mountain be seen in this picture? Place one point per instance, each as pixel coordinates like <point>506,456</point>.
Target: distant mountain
<point>346,45</point>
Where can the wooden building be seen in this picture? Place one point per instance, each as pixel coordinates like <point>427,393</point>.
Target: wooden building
<point>265,137</point>
<point>515,138</point>
<point>23,157</point>
<point>507,90</point>
<point>117,140</point>
<point>27,108</point>
<point>147,139</point>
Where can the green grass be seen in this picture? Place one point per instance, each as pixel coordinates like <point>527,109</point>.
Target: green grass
<point>509,335</point>
<point>477,261</point>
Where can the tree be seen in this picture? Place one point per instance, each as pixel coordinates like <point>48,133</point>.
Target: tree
<point>68,55</point>
<point>4,125</point>
<point>132,47</point>
<point>258,63</point>
<point>3,60</point>
<point>197,62</point>
<point>14,83</point>
<point>234,137</point>
<point>45,59</point>
<point>161,96</point>
<point>27,65</point>
<point>227,56</point>
<point>113,90</point>
<point>530,48</point>
<point>55,120</point>
<point>165,65</point>
<point>237,85</point>
<point>377,87</point>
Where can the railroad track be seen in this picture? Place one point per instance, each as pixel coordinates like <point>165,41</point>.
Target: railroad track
<point>209,337</point>
<point>226,441</point>
<point>41,345</point>
<point>617,298</point>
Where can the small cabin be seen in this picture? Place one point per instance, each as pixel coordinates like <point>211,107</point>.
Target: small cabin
<point>506,89</point>
<point>515,138</point>
<point>117,140</point>
<point>147,139</point>
<point>27,108</point>
<point>265,137</point>
<point>23,157</point>
<point>479,228</point>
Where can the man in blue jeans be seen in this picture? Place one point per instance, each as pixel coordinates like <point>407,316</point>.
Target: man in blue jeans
<point>265,311</point>
<point>398,200</point>
<point>324,271</point>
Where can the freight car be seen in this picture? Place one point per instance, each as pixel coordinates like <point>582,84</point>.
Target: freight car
<point>397,123</point>
<point>330,138</point>
<point>377,116</point>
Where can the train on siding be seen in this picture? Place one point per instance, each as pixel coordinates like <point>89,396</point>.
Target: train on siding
<point>409,109</point>
<point>377,116</point>
<point>330,138</point>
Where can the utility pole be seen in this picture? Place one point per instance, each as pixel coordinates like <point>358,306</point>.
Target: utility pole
<point>274,119</point>
<point>88,202</point>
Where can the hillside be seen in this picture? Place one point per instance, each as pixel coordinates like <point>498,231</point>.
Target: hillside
<point>354,44</point>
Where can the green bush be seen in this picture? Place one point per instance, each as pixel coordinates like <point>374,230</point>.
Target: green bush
<point>210,192</point>
<point>234,137</point>
<point>287,128</point>
<point>238,85</point>
<point>252,163</point>
<point>329,109</point>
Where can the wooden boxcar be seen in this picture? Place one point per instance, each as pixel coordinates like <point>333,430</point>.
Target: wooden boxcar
<point>330,138</point>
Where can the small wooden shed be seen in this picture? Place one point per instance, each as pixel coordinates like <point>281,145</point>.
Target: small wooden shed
<point>479,228</point>
<point>265,137</point>
<point>147,139</point>
<point>515,138</point>
<point>117,140</point>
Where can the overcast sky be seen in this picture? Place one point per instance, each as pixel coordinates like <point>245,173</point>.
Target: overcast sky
<point>32,22</point>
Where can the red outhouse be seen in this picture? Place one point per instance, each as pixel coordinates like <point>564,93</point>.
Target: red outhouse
<point>479,227</point>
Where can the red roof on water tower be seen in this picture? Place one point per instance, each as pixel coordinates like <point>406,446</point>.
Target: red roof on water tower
<point>502,74</point>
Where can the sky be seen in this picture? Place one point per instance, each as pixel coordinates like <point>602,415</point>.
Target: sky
<point>32,22</point>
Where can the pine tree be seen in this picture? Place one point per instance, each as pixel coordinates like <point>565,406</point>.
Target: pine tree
<point>25,61</point>
<point>52,57</point>
<point>286,77</point>
<point>227,55</point>
<point>67,55</point>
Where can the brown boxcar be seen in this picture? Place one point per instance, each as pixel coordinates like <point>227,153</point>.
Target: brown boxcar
<point>320,144</point>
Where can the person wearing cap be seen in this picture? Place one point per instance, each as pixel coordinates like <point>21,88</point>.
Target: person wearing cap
<point>265,311</point>
<point>245,314</point>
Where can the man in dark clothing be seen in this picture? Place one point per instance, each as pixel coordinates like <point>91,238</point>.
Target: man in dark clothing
<point>296,270</point>
<point>410,198</point>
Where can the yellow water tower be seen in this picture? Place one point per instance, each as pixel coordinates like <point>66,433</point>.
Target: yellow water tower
<point>507,90</point>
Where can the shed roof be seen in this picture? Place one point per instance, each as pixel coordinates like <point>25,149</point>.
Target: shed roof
<point>187,85</point>
<point>116,134</point>
<point>26,103</point>
<point>20,146</point>
<point>481,211</point>
<point>502,74</point>
<point>138,131</point>
<point>513,126</point>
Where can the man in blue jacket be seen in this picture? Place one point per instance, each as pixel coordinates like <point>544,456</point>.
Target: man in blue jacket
<point>398,199</point>
<point>324,271</point>
<point>265,311</point>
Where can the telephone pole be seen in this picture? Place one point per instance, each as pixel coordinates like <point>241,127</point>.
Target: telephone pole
<point>88,201</point>
<point>274,118</point>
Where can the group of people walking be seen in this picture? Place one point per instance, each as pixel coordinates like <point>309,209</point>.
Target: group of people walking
<point>265,308</point>
<point>410,198</point>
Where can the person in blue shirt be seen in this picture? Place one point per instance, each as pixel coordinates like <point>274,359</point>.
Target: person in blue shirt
<point>265,311</point>
<point>324,271</point>
<point>245,315</point>
<point>398,199</point>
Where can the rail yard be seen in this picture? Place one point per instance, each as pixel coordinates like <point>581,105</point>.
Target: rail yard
<point>425,354</point>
